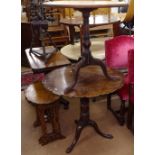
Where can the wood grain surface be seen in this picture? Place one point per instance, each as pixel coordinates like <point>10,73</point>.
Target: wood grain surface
<point>91,82</point>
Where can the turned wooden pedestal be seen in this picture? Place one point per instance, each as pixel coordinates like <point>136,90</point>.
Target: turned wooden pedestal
<point>47,110</point>
<point>83,122</point>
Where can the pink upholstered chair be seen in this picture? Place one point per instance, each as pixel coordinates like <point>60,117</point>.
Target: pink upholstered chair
<point>116,57</point>
<point>130,118</point>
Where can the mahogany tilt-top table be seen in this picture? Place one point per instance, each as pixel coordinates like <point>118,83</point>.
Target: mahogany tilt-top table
<point>85,7</point>
<point>91,83</point>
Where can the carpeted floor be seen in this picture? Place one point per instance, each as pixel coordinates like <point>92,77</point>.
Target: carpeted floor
<point>28,77</point>
<point>89,143</point>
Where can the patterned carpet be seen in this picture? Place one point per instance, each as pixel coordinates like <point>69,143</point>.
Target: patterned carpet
<point>27,77</point>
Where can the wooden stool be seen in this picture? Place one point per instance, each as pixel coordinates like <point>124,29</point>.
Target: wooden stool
<point>47,109</point>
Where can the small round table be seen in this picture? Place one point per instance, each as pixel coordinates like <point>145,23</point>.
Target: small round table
<point>91,83</point>
<point>73,51</point>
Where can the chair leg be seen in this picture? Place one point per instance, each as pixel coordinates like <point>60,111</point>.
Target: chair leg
<point>130,116</point>
<point>109,101</point>
<point>122,112</point>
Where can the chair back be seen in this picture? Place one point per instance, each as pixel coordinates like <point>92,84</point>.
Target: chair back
<point>116,51</point>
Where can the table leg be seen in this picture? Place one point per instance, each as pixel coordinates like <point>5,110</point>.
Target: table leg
<point>116,29</point>
<point>85,61</point>
<point>86,57</point>
<point>41,112</point>
<point>71,34</point>
<point>37,121</point>
<point>76,70</point>
<point>83,122</point>
<point>53,117</point>
<point>64,102</point>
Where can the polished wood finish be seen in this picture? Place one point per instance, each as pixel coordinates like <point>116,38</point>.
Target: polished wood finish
<point>45,102</point>
<point>38,65</point>
<point>73,52</point>
<point>85,121</point>
<point>85,8</point>
<point>85,4</point>
<point>91,83</point>
<point>37,94</point>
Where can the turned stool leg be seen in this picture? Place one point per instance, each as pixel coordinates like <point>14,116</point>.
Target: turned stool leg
<point>41,111</point>
<point>46,117</point>
<point>37,121</point>
<point>56,134</point>
<point>55,118</point>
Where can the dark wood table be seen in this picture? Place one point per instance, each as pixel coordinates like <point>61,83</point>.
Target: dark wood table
<point>85,7</point>
<point>40,66</point>
<point>94,21</point>
<point>91,83</point>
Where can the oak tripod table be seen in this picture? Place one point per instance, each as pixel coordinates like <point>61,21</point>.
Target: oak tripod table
<point>85,7</point>
<point>91,83</point>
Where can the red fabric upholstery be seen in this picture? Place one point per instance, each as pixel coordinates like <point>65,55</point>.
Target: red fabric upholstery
<point>116,51</point>
<point>124,91</point>
<point>116,56</point>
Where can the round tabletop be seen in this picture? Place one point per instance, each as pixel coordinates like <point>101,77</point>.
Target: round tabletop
<point>85,4</point>
<point>73,52</point>
<point>91,82</point>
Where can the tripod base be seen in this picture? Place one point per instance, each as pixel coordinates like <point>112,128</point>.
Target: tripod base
<point>43,54</point>
<point>83,122</point>
<point>85,61</point>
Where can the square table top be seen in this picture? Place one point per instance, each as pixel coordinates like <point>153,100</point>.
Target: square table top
<point>38,65</point>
